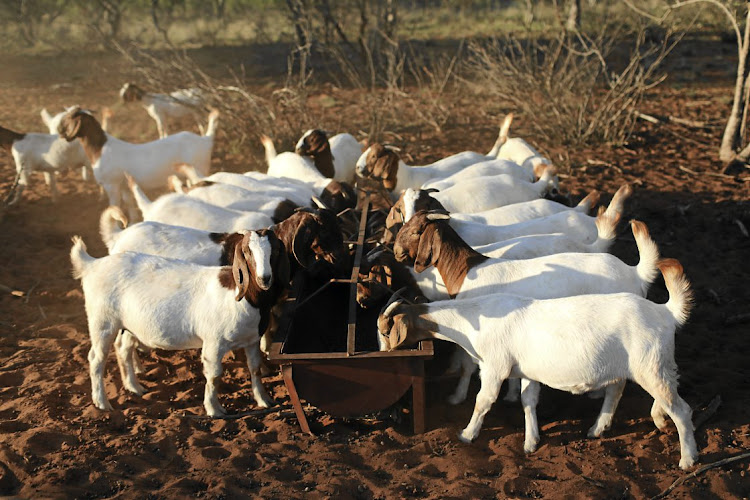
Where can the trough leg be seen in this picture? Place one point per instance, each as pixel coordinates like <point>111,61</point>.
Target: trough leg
<point>286,372</point>
<point>417,391</point>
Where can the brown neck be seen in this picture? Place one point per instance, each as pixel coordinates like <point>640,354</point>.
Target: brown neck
<point>324,163</point>
<point>455,261</point>
<point>92,139</point>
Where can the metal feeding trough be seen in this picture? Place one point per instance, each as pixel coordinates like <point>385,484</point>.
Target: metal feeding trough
<point>328,351</point>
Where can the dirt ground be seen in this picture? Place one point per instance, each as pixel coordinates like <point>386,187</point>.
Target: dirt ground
<point>55,443</point>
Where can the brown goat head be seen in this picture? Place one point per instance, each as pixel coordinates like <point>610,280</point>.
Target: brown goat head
<point>420,239</point>
<point>420,201</point>
<point>313,239</point>
<point>130,92</point>
<point>315,145</point>
<point>381,163</point>
<point>78,123</point>
<point>338,196</point>
<point>249,284</point>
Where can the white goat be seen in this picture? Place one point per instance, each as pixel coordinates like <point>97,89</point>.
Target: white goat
<point>574,344</point>
<point>177,104</point>
<point>182,210</point>
<point>46,153</point>
<point>482,169</point>
<point>344,148</point>
<point>235,198</point>
<point>493,226</point>
<point>172,304</point>
<point>149,164</point>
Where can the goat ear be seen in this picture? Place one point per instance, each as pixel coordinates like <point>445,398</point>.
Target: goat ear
<point>428,249</point>
<point>240,271</point>
<point>399,331</point>
<point>301,243</point>
<point>69,127</point>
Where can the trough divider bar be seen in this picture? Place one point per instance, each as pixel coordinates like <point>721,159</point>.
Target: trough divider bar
<point>351,333</point>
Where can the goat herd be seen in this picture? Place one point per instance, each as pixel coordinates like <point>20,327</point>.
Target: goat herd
<point>522,283</point>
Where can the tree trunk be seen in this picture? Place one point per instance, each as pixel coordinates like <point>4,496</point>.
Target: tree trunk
<point>731,140</point>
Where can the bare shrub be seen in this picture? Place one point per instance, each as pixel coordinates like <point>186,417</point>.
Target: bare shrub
<point>244,115</point>
<point>575,89</point>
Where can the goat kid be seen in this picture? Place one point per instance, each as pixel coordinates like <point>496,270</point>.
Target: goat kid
<point>343,148</point>
<point>175,305</point>
<point>160,107</point>
<point>627,337</point>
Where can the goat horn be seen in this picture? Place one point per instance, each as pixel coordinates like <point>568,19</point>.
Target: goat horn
<point>438,216</point>
<point>431,190</point>
<point>319,203</point>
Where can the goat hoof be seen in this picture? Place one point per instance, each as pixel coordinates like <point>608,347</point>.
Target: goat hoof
<point>464,437</point>
<point>594,432</point>
<point>106,406</point>
<point>455,400</point>
<point>529,447</point>
<point>687,462</point>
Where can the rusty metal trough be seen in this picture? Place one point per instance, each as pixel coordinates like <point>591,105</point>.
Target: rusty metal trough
<point>328,351</point>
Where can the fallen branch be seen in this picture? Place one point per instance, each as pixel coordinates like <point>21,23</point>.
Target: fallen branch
<point>12,291</point>
<point>671,119</point>
<point>237,416</point>
<point>714,174</point>
<point>700,471</point>
<point>708,412</point>
<point>593,481</point>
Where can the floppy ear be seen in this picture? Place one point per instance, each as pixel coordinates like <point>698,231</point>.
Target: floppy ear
<point>301,243</point>
<point>69,127</point>
<point>428,249</point>
<point>398,332</point>
<point>240,271</point>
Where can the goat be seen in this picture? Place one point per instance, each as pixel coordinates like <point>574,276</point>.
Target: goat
<point>236,198</point>
<point>40,152</point>
<point>181,210</point>
<point>500,216</point>
<point>172,304</point>
<point>383,163</point>
<point>493,226</point>
<point>53,124</point>
<point>312,240</point>
<point>460,271</point>
<point>479,194</point>
<point>149,164</point>
<point>574,344</point>
<point>344,149</point>
<point>177,104</point>
<point>315,167</point>
<point>521,152</point>
<point>338,196</point>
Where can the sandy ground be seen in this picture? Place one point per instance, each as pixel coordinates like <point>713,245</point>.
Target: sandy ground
<point>55,443</point>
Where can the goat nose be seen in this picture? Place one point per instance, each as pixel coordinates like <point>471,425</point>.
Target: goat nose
<point>265,282</point>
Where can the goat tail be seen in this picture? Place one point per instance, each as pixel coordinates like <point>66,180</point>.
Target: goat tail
<point>140,197</point>
<point>647,267</point>
<point>176,184</point>
<point>589,202</point>
<point>213,123</point>
<point>606,230</point>
<point>109,227</point>
<point>617,205</point>
<point>269,147</point>
<point>79,257</point>
<point>680,301</point>
<point>502,136</point>
<point>46,117</point>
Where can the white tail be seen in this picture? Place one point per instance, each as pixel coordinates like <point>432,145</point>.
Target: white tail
<point>606,229</point>
<point>190,173</point>
<point>617,205</point>
<point>109,227</point>
<point>589,202</point>
<point>649,254</point>
<point>269,147</point>
<point>547,181</point>
<point>680,295</point>
<point>79,257</point>
<point>213,123</point>
<point>502,137</point>
<point>176,184</point>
